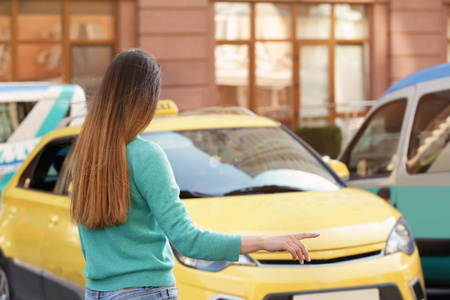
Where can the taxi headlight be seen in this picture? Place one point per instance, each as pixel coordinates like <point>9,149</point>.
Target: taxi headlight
<point>400,239</point>
<point>212,266</point>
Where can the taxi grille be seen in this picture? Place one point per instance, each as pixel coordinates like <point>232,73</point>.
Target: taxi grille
<point>320,261</point>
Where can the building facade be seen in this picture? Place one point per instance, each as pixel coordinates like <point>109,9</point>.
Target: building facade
<point>300,62</point>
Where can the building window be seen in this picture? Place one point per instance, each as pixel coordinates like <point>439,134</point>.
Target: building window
<point>293,62</point>
<point>56,41</point>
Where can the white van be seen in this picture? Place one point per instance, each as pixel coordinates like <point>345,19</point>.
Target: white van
<point>402,153</point>
<point>28,110</point>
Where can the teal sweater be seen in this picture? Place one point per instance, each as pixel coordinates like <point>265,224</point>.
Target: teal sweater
<point>137,253</point>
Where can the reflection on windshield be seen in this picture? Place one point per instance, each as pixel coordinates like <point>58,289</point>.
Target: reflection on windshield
<point>215,162</point>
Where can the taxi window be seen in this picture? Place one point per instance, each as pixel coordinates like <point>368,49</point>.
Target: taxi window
<point>46,172</point>
<point>373,152</point>
<point>11,115</point>
<point>429,147</point>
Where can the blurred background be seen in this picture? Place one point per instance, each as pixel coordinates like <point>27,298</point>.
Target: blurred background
<point>304,63</point>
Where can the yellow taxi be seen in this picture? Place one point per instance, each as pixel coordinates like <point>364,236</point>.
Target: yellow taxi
<point>238,173</point>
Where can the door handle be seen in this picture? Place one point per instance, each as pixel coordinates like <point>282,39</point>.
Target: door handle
<point>54,220</point>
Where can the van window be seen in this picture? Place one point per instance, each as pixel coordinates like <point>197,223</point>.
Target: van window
<point>11,115</point>
<point>46,170</point>
<point>429,147</point>
<point>373,151</point>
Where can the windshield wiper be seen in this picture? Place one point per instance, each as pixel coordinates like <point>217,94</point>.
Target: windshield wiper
<point>265,189</point>
<point>184,194</point>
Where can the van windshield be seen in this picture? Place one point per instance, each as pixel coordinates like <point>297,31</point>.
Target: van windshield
<point>241,161</point>
<point>11,115</point>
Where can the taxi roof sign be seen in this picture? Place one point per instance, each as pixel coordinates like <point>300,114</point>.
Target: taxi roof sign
<point>166,107</point>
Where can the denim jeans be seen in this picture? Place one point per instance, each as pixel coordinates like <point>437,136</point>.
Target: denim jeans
<point>139,293</point>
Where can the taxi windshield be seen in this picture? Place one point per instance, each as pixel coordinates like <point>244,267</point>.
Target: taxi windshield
<point>241,161</point>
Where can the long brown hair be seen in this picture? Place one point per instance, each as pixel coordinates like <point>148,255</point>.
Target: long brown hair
<point>122,107</point>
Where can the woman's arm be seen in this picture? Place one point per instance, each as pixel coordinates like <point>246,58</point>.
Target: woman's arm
<point>290,243</point>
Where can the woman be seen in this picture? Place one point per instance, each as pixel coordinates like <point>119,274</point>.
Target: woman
<point>125,198</point>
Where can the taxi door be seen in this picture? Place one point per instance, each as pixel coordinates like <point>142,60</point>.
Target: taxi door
<point>373,154</point>
<point>23,227</point>
<point>26,220</point>
<point>63,260</point>
<point>45,237</point>
<point>62,250</point>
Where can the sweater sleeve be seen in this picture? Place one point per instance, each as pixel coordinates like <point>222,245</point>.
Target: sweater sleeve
<point>155,181</point>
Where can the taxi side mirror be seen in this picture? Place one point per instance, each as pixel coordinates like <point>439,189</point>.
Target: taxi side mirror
<point>338,167</point>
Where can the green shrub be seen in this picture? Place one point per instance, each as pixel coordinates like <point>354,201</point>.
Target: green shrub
<point>324,139</point>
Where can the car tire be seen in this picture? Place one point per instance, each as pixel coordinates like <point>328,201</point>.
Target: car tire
<point>4,285</point>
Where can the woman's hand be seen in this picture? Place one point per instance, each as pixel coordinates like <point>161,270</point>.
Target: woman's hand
<point>290,243</point>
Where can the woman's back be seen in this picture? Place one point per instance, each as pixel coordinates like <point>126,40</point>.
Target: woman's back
<point>137,252</point>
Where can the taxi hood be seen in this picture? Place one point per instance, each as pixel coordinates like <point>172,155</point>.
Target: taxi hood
<point>345,218</point>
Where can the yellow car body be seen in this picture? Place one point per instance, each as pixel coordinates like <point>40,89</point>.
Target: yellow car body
<point>39,241</point>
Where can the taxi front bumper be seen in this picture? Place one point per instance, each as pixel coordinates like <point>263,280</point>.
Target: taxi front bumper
<point>385,277</point>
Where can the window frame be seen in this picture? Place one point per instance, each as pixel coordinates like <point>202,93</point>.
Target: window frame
<point>346,155</point>
<point>60,186</point>
<point>408,141</point>
<point>294,119</point>
<point>67,44</point>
